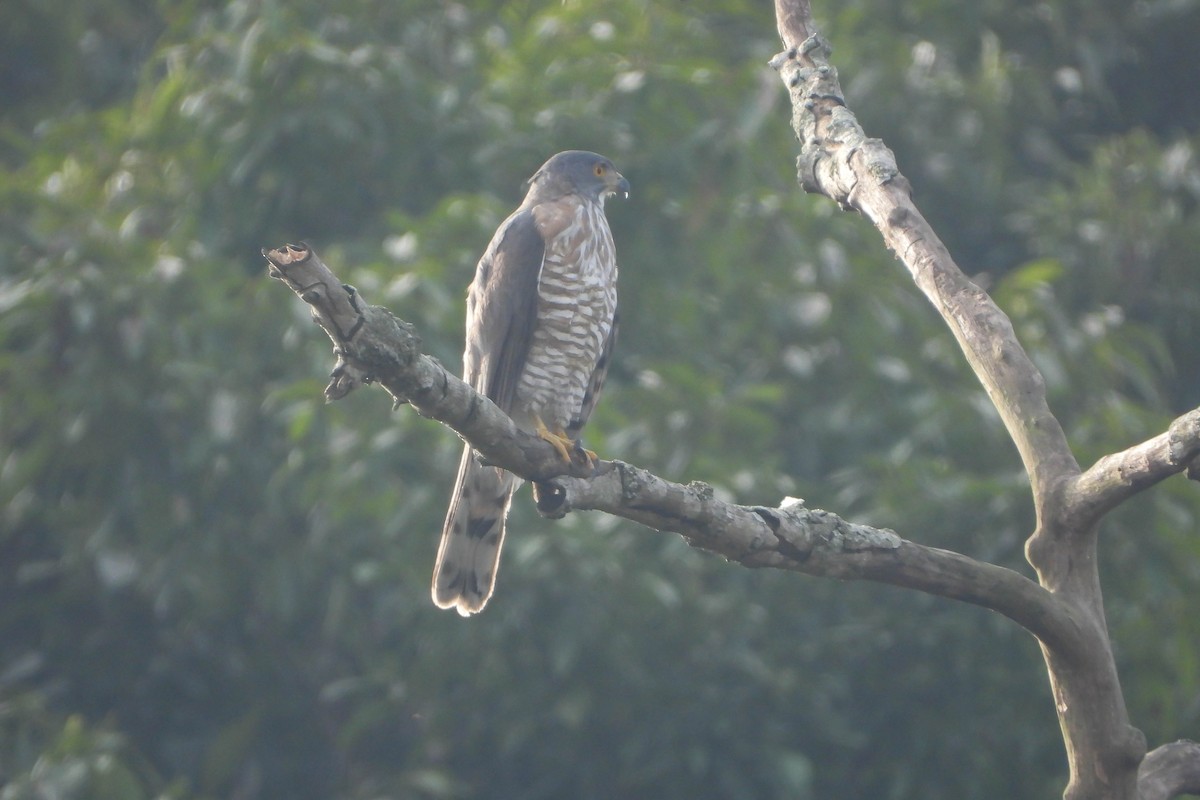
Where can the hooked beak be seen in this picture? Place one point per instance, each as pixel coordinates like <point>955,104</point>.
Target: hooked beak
<point>618,185</point>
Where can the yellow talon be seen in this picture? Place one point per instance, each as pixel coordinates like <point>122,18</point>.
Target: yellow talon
<point>561,442</point>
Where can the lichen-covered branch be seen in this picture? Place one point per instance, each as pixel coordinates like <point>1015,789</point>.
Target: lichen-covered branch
<point>372,346</point>
<point>819,543</point>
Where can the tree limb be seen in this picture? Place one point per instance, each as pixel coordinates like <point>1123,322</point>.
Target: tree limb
<point>838,160</point>
<point>1170,770</point>
<point>822,544</point>
<point>1115,478</point>
<point>373,346</point>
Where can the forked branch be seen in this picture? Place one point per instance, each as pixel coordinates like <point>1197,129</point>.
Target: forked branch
<point>838,160</point>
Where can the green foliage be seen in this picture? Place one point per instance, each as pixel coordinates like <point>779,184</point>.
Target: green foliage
<point>78,762</point>
<point>212,585</point>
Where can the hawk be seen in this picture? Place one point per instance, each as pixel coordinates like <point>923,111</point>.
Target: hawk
<point>541,322</point>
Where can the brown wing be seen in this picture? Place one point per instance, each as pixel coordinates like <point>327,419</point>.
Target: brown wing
<point>502,309</point>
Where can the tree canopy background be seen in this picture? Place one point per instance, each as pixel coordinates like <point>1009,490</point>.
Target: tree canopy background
<point>214,585</point>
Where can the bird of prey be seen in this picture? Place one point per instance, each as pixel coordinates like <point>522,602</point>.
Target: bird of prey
<point>541,322</point>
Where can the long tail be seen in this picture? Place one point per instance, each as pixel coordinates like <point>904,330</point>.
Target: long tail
<point>472,536</point>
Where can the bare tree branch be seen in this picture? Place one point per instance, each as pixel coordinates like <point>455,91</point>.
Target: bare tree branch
<point>1115,478</point>
<point>373,346</point>
<point>1169,771</point>
<point>839,161</point>
<point>820,543</point>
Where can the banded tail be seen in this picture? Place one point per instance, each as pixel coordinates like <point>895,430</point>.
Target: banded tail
<point>472,536</point>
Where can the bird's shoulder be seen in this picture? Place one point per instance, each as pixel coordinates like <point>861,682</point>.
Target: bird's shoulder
<point>516,243</point>
<point>554,217</point>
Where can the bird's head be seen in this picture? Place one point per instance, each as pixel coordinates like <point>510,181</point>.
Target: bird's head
<point>578,172</point>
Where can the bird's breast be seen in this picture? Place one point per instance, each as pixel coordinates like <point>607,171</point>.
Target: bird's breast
<point>577,299</point>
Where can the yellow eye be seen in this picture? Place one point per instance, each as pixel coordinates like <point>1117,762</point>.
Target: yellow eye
<point>599,170</point>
